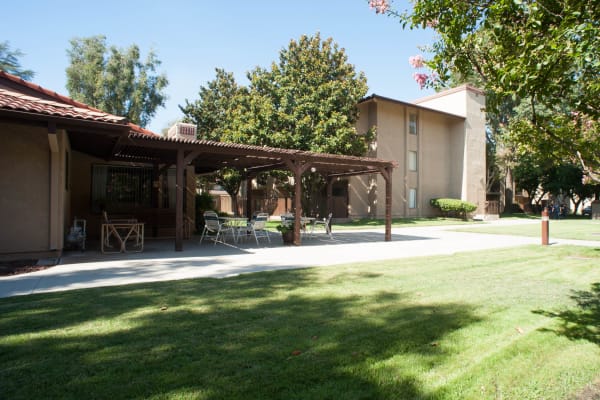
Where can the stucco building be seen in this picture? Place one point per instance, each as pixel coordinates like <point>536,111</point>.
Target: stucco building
<point>439,145</point>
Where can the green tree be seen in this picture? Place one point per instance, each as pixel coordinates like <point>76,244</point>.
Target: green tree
<point>115,80</point>
<point>213,111</point>
<point>529,174</point>
<point>543,53</point>
<point>9,62</point>
<point>566,180</point>
<point>307,101</point>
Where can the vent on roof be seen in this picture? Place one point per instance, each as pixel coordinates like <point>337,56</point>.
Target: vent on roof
<point>182,131</point>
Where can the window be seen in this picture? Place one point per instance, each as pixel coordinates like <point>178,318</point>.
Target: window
<point>117,188</point>
<point>412,124</point>
<point>412,198</point>
<point>412,160</point>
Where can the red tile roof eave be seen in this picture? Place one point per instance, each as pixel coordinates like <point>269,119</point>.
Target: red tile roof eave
<point>63,120</point>
<point>68,100</point>
<point>47,92</point>
<point>139,130</point>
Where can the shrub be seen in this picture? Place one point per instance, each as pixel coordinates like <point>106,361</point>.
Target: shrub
<point>453,207</point>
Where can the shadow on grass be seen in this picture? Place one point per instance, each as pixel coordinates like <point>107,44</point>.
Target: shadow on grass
<point>250,337</point>
<point>582,322</point>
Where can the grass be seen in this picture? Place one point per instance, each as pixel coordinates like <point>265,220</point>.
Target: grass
<point>578,229</point>
<point>368,223</point>
<point>508,324</point>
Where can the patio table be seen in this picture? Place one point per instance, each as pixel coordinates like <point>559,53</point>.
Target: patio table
<point>123,232</point>
<point>237,224</point>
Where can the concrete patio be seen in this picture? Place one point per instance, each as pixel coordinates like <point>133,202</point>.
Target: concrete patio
<point>159,261</point>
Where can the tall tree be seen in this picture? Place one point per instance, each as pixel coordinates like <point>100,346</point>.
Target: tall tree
<point>307,101</point>
<point>9,62</point>
<point>115,80</point>
<point>543,52</point>
<point>213,111</point>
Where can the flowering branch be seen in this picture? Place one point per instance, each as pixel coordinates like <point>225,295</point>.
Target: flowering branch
<point>421,78</point>
<point>380,6</point>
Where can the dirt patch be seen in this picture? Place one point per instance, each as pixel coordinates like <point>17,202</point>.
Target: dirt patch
<point>591,392</point>
<point>18,267</point>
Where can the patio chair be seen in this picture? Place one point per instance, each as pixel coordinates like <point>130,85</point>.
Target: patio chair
<point>257,227</point>
<point>212,226</point>
<point>112,231</point>
<point>325,223</point>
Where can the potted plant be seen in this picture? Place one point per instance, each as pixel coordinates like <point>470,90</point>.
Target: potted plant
<point>287,232</point>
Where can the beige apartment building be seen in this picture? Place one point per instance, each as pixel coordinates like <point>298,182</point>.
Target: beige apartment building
<point>439,145</point>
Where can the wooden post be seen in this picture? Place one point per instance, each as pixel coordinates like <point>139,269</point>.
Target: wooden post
<point>297,205</point>
<point>248,196</point>
<point>179,185</point>
<point>387,175</point>
<point>297,167</point>
<point>154,199</point>
<point>329,199</point>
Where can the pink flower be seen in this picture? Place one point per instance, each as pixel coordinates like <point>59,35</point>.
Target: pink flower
<point>421,79</point>
<point>416,61</point>
<point>380,6</point>
<point>432,24</point>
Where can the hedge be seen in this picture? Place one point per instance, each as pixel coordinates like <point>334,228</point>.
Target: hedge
<point>453,207</point>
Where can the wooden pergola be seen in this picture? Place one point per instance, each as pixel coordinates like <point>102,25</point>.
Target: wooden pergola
<point>208,156</point>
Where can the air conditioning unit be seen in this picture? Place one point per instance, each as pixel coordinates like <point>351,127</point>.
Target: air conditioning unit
<point>182,131</point>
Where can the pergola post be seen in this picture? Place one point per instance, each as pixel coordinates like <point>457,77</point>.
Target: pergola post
<point>179,185</point>
<point>329,195</point>
<point>248,196</point>
<point>297,167</point>
<point>387,175</point>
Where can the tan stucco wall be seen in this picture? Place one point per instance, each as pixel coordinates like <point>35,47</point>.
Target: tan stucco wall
<point>468,102</point>
<point>474,182</point>
<point>450,155</point>
<point>30,159</point>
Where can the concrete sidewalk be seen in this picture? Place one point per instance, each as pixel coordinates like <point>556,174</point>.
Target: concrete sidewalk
<point>159,262</point>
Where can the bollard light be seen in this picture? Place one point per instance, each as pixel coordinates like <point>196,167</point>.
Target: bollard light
<point>545,227</point>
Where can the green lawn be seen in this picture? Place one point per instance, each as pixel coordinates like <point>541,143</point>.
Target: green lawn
<point>580,229</point>
<point>368,223</point>
<point>518,323</point>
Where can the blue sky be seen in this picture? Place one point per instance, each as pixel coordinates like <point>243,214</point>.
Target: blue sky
<point>192,38</point>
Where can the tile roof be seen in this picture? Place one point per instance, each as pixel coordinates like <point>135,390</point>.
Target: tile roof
<point>12,100</point>
<point>21,95</point>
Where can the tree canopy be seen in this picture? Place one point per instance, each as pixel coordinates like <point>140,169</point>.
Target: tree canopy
<point>307,101</point>
<point>213,111</point>
<point>543,54</point>
<point>115,80</point>
<point>9,62</point>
